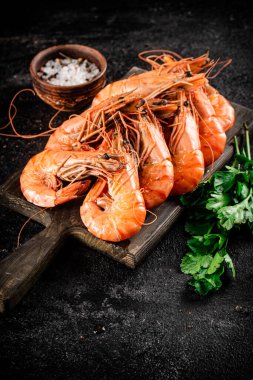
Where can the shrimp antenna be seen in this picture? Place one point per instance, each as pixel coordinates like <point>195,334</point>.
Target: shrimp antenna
<point>146,59</point>
<point>27,221</point>
<point>211,150</point>
<point>152,221</point>
<point>11,118</point>
<point>224,64</point>
<point>53,118</point>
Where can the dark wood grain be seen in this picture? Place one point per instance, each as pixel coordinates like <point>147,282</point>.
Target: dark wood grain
<point>21,268</point>
<point>19,271</point>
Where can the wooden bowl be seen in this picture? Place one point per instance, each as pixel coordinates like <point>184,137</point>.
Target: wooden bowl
<point>68,98</point>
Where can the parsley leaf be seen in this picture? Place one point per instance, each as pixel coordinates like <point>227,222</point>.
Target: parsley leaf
<point>236,214</point>
<point>194,228</point>
<point>215,263</point>
<point>192,263</point>
<point>217,201</point>
<point>223,181</point>
<point>230,264</point>
<point>204,283</point>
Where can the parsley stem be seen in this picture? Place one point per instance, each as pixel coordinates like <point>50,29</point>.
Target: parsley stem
<point>237,150</point>
<point>247,141</point>
<point>210,228</point>
<point>226,242</point>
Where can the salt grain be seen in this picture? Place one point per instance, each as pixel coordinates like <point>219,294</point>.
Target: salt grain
<point>68,71</point>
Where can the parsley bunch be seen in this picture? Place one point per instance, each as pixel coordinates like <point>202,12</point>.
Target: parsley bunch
<point>219,205</point>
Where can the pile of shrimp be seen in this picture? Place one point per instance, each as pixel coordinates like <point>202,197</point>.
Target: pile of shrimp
<point>143,139</point>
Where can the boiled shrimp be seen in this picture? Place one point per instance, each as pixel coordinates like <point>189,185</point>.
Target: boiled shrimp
<point>156,170</point>
<point>114,208</point>
<point>224,111</point>
<point>41,179</point>
<point>141,85</point>
<point>184,145</point>
<point>213,138</point>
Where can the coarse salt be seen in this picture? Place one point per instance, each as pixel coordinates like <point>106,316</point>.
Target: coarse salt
<point>68,71</point>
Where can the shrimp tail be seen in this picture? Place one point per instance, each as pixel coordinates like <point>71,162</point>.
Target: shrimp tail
<point>71,191</point>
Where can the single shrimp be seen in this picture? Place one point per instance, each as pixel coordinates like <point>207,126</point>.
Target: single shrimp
<point>142,84</point>
<point>41,179</point>
<point>224,111</point>
<point>114,209</point>
<point>184,145</point>
<point>212,135</point>
<point>156,170</point>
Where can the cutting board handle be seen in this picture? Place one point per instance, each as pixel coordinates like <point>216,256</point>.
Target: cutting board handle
<point>20,269</point>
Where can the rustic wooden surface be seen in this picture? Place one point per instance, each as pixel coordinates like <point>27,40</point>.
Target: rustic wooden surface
<point>19,271</point>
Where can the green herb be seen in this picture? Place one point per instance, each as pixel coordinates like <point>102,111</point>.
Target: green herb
<point>219,205</point>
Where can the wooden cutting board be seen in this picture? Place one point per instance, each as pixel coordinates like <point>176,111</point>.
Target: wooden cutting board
<point>20,269</point>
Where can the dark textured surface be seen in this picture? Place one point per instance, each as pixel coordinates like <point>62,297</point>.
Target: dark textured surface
<point>155,327</point>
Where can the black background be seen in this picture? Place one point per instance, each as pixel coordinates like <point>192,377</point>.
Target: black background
<point>155,327</point>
